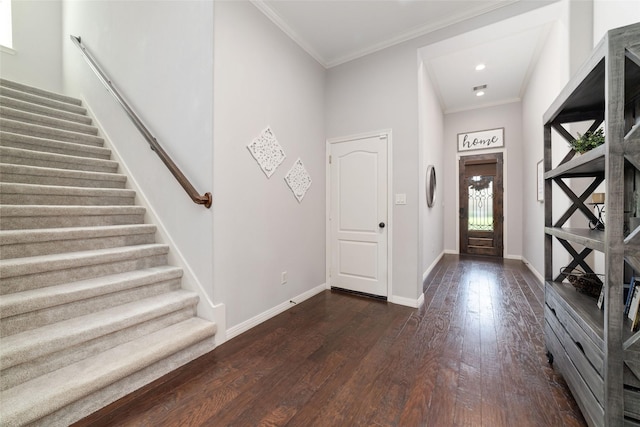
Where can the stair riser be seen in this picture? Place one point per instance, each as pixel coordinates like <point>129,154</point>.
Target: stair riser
<point>56,296</point>
<point>51,122</point>
<point>24,322</point>
<point>61,409</point>
<point>59,162</point>
<point>56,277</point>
<point>39,92</point>
<point>25,142</point>
<point>63,221</point>
<point>27,107</point>
<point>50,133</point>
<point>27,249</point>
<point>33,368</point>
<point>90,404</point>
<point>39,100</point>
<point>22,348</point>
<point>61,200</point>
<point>20,178</point>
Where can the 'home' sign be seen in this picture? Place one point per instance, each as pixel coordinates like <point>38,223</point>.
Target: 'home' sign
<point>481,140</point>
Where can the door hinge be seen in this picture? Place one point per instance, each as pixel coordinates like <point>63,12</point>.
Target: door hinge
<point>330,159</point>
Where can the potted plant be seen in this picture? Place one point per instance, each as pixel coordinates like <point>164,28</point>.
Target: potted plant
<point>588,141</point>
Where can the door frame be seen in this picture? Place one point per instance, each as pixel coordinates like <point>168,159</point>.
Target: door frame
<point>505,193</point>
<point>385,133</point>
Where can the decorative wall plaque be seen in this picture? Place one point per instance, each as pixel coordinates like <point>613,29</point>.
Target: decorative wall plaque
<point>298,179</point>
<point>481,140</point>
<point>267,152</point>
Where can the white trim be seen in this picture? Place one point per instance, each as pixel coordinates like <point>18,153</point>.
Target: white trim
<point>432,266</point>
<point>533,270</point>
<point>514,257</point>
<point>408,302</point>
<point>420,301</point>
<point>206,308</point>
<point>410,34</point>
<point>281,23</point>
<point>8,50</point>
<point>451,252</point>
<point>485,105</point>
<point>272,312</point>
<point>382,133</point>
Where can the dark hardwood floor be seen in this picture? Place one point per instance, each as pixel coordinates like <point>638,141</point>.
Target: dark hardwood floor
<point>473,355</point>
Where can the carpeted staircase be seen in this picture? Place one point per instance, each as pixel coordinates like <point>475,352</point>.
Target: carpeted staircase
<point>89,309</point>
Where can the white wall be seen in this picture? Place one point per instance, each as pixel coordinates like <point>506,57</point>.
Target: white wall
<point>547,80</point>
<point>506,116</point>
<point>609,14</point>
<point>262,78</point>
<point>377,92</point>
<point>36,59</point>
<point>431,124</point>
<point>160,55</point>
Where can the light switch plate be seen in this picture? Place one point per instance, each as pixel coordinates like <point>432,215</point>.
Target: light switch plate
<point>401,199</point>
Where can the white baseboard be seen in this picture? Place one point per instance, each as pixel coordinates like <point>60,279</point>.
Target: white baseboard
<point>533,270</point>
<point>432,266</point>
<point>408,302</point>
<point>515,257</point>
<point>451,252</point>
<point>420,300</point>
<point>272,312</point>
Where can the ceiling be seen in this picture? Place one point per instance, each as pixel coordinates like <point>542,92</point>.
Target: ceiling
<point>337,31</point>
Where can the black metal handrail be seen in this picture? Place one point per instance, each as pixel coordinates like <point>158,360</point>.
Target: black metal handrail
<point>205,199</point>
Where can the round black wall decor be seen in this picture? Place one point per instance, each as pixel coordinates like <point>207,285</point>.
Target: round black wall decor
<point>430,185</point>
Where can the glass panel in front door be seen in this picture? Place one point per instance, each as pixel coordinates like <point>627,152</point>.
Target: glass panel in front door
<point>480,190</point>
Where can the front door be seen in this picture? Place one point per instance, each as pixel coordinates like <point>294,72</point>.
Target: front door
<point>481,195</point>
<point>358,215</point>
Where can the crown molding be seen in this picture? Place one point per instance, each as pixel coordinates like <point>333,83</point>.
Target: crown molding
<point>280,23</point>
<point>410,34</point>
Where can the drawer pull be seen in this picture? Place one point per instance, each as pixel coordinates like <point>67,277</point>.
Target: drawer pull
<point>580,347</point>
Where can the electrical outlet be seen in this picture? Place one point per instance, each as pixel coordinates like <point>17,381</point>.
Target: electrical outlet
<point>284,278</point>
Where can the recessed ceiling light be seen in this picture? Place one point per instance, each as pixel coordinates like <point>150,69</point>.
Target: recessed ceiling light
<point>480,67</point>
<point>480,93</point>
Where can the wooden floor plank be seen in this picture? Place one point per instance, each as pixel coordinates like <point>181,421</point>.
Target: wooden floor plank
<point>472,355</point>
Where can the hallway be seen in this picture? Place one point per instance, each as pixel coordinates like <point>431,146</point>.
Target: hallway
<point>472,355</point>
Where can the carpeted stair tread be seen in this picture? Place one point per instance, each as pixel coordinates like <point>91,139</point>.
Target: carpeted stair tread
<point>43,110</point>
<point>38,299</point>
<point>15,126</point>
<point>41,100</point>
<point>46,121</point>
<point>35,343</point>
<point>39,92</point>
<point>11,237</point>
<point>36,194</point>
<point>36,242</point>
<point>25,174</point>
<point>20,156</point>
<point>41,396</point>
<point>41,216</point>
<point>37,144</point>
<point>39,264</point>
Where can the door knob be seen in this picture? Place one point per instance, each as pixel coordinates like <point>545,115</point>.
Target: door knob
<point>381,225</point>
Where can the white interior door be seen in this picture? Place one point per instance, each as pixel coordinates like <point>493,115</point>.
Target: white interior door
<point>358,215</point>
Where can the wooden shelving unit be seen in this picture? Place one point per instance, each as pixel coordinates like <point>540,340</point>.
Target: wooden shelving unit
<point>595,350</point>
